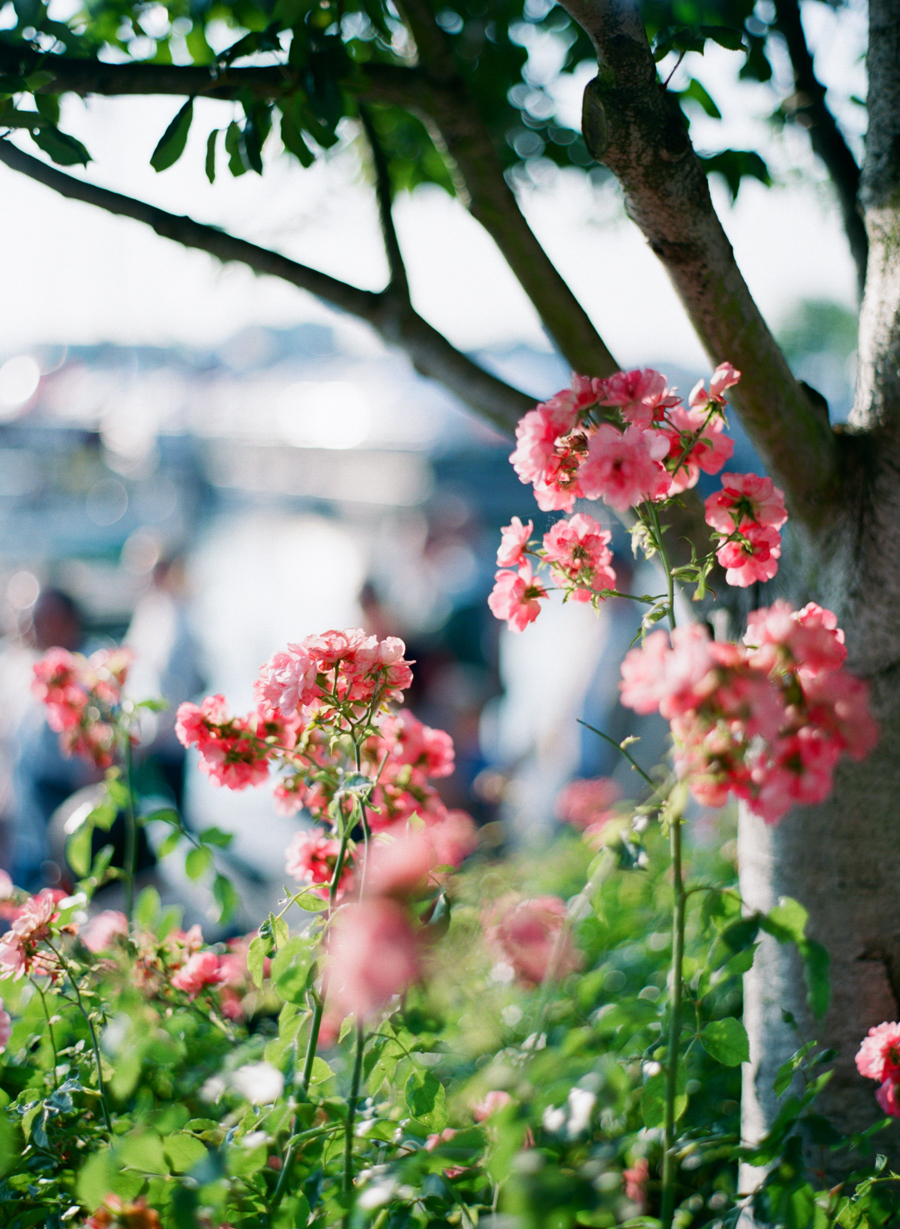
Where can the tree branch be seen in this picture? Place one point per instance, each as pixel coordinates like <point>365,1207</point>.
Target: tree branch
<point>825,136</point>
<point>389,313</point>
<point>399,280</point>
<point>492,202</point>
<point>636,128</point>
<point>437,94</point>
<point>878,382</point>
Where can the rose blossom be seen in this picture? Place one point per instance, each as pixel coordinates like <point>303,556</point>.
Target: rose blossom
<point>532,937</point>
<point>745,499</point>
<point>372,953</point>
<point>201,969</point>
<point>516,597</point>
<point>624,468</point>
<point>878,1057</point>
<point>514,539</point>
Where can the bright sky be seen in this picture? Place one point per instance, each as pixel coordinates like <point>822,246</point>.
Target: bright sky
<point>72,273</point>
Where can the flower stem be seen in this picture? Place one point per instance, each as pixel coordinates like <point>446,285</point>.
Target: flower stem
<point>352,1101</point>
<point>101,1087</point>
<point>664,560</point>
<point>130,858</point>
<point>672,1058</point>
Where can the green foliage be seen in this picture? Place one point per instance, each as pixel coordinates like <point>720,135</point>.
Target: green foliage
<point>513,61</point>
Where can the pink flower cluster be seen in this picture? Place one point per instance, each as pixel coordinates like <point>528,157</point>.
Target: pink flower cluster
<point>569,449</point>
<point>24,950</point>
<point>331,679</point>
<point>532,936</point>
<point>577,554</point>
<point>879,1059</point>
<point>82,695</point>
<point>766,720</point>
<point>747,515</point>
<point>375,945</point>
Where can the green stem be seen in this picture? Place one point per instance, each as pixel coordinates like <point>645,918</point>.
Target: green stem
<point>352,1101</point>
<point>101,1087</point>
<point>618,746</point>
<point>130,859</point>
<point>312,1042</point>
<point>49,1029</point>
<point>668,1174</point>
<point>664,560</point>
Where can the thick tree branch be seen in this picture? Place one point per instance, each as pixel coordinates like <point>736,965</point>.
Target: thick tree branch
<point>492,201</point>
<point>389,313</point>
<point>635,127</point>
<point>878,383</point>
<point>824,134</point>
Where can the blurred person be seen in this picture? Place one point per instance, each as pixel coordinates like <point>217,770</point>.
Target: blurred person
<point>168,664</point>
<point>43,778</point>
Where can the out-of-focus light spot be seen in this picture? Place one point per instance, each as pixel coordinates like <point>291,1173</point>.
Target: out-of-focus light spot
<point>335,414</point>
<point>19,378</point>
<point>22,590</point>
<point>141,552</point>
<point>106,501</point>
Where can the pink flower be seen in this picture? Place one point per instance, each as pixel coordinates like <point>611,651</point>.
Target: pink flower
<point>578,550</point>
<point>514,539</point>
<point>400,866</point>
<point>532,937</point>
<point>516,597</point>
<point>100,931</point>
<point>838,702</point>
<point>810,638</point>
<point>745,499</point>
<point>888,1097</point>
<point>311,859</point>
<point>287,681</point>
<point>588,802</point>
<point>641,396</point>
<point>724,377</point>
<point>624,468</point>
<point>490,1103</point>
<point>878,1057</point>
<point>20,953</point>
<point>201,969</point>
<point>372,953</point>
<point>635,1181</point>
<point>673,680</point>
<point>751,557</point>
<point>709,451</point>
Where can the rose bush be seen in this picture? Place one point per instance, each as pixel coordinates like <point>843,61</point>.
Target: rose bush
<point>420,1036</point>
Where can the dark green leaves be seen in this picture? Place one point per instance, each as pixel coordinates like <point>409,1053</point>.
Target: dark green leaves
<point>58,145</point>
<point>173,140</point>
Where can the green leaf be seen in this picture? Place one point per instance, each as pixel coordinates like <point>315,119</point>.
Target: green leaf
<point>211,155</point>
<point>146,909</point>
<point>143,1150</point>
<point>170,842</point>
<point>726,1041</point>
<point>95,1178</point>
<point>60,147</point>
<point>310,900</point>
<point>183,1151</point>
<point>173,140</point>
<point>198,862</point>
<point>816,962</point>
<point>426,1100</point>
<point>256,961</point>
<point>728,37</point>
<point>696,91</point>
<point>294,142</point>
<point>653,1097</point>
<point>78,850</point>
<point>787,921</point>
<point>227,898</point>
<point>167,815</point>
<point>234,148</point>
<point>215,836</point>
<point>290,969</point>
